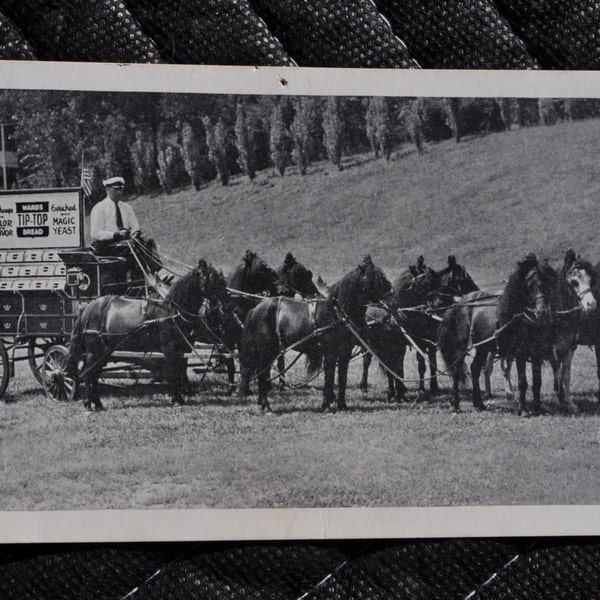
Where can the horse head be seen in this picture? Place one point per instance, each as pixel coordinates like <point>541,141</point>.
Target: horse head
<point>374,285</point>
<point>413,287</point>
<point>539,288</point>
<point>456,280</point>
<point>295,278</point>
<point>581,277</point>
<point>258,276</point>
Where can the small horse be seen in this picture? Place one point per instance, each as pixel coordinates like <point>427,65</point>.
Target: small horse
<point>472,322</point>
<point>144,325</point>
<point>321,329</point>
<point>415,288</point>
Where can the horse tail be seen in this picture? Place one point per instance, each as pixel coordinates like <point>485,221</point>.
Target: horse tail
<point>454,340</point>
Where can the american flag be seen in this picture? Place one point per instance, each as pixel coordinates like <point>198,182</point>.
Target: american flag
<point>86,181</point>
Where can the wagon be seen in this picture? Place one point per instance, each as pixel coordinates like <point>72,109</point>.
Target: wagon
<point>47,276</point>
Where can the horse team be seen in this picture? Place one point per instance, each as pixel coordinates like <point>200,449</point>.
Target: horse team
<point>541,315</point>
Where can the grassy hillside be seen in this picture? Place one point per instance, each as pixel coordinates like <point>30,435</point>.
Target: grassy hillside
<point>487,200</point>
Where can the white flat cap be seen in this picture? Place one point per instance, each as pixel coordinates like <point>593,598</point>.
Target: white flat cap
<point>113,181</point>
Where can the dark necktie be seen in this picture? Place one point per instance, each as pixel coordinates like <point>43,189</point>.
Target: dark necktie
<point>119,216</point>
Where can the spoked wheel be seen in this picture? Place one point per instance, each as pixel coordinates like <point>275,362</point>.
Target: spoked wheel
<point>4,369</point>
<point>58,384</point>
<point>36,350</point>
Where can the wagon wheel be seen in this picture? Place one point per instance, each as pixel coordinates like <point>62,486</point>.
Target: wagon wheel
<point>58,384</point>
<point>36,350</point>
<point>4,369</point>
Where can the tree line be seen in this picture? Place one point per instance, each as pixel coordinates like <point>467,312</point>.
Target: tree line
<point>162,141</point>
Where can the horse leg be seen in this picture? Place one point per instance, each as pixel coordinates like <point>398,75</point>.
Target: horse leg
<point>506,366</point>
<point>565,397</point>
<point>230,366</point>
<point>455,393</point>
<point>93,358</point>
<point>476,366</point>
<point>264,386</point>
<point>329,363</point>
<point>421,367</point>
<point>597,353</point>
<point>400,385</point>
<point>567,362</point>
<point>487,375</point>
<point>281,369</point>
<point>364,383</point>
<point>536,385</point>
<point>175,375</point>
<point>522,377</point>
<point>342,364</point>
<point>434,389</point>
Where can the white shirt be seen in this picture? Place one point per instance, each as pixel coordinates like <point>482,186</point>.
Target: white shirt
<point>103,220</point>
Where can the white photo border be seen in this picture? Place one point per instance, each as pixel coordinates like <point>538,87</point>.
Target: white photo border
<point>311,523</point>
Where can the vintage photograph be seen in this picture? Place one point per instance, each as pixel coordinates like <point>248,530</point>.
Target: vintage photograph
<point>297,301</point>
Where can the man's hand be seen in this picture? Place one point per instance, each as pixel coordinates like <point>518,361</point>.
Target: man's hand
<point>136,234</point>
<point>122,234</point>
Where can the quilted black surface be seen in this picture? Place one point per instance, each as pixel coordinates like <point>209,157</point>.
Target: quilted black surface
<point>550,34</point>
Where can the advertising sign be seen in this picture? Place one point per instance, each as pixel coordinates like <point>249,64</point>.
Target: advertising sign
<point>41,219</point>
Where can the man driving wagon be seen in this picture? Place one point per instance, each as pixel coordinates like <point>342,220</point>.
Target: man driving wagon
<point>114,229</point>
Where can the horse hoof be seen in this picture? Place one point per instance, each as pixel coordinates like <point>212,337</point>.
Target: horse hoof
<point>342,406</point>
<point>480,406</point>
<point>99,407</point>
<point>456,410</point>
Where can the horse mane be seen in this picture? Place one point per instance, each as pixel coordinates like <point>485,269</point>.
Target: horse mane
<point>184,288</point>
<point>240,274</point>
<point>512,299</point>
<point>190,289</point>
<point>344,291</point>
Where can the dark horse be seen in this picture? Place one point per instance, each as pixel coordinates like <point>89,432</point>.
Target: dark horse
<point>109,323</point>
<point>295,280</point>
<point>536,319</point>
<point>255,278</point>
<point>320,329</point>
<point>416,288</point>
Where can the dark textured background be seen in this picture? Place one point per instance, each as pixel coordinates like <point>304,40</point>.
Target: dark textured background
<point>548,34</point>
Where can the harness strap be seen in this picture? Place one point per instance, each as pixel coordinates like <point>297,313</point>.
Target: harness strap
<point>277,323</point>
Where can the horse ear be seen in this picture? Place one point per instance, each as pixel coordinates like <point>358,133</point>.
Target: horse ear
<point>323,288</point>
<point>452,260</point>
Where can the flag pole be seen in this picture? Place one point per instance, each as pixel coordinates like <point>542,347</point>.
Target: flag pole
<point>4,174</point>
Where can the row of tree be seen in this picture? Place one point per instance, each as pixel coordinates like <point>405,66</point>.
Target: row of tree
<point>166,140</point>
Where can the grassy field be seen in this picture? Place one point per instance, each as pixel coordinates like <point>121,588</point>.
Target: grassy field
<point>487,200</point>
<point>218,451</point>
